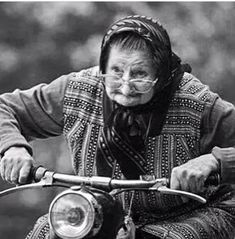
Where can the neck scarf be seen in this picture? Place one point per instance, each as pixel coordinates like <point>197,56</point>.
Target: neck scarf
<point>123,139</point>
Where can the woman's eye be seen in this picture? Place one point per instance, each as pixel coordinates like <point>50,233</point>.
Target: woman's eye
<point>116,69</point>
<point>140,74</point>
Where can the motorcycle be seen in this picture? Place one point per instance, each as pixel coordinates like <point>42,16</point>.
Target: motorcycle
<point>88,208</point>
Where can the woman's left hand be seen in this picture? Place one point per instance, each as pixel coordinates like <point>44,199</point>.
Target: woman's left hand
<point>192,175</point>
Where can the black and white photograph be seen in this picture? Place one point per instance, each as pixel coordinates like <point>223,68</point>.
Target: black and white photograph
<point>117,120</point>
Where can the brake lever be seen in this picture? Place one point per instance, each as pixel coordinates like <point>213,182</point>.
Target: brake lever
<point>162,186</point>
<point>46,181</point>
<point>166,190</point>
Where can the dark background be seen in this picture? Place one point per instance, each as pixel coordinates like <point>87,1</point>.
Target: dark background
<point>39,41</point>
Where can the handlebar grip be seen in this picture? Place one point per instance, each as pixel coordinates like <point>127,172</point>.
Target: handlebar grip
<point>37,173</point>
<point>213,180</point>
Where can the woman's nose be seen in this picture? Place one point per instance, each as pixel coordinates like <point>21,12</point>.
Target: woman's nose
<point>126,88</point>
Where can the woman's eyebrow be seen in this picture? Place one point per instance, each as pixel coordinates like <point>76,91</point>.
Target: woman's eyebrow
<point>139,62</point>
<point>140,65</point>
<point>117,63</point>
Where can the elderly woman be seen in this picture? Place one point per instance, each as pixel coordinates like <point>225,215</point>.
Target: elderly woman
<point>140,113</point>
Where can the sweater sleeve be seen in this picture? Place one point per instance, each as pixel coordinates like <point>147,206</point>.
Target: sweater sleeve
<point>226,157</point>
<point>29,114</point>
<point>218,137</point>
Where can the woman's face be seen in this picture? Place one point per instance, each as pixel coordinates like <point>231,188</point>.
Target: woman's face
<point>129,65</point>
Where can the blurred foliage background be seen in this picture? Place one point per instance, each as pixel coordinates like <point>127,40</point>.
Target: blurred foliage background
<point>39,41</point>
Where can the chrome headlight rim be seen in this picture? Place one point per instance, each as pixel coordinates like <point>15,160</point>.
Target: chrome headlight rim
<point>93,204</point>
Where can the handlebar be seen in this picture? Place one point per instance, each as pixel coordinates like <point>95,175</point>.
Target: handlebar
<point>115,186</point>
<point>45,178</point>
<point>39,172</point>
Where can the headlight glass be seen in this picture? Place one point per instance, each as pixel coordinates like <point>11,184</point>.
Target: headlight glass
<point>72,214</point>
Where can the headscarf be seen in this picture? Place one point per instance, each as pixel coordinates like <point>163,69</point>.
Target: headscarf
<point>152,31</point>
<point>126,129</point>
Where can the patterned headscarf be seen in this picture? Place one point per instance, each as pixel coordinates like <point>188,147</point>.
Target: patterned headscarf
<point>123,139</point>
<point>152,31</point>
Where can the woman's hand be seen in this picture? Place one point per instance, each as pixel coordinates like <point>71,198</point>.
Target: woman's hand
<point>15,165</point>
<point>192,175</point>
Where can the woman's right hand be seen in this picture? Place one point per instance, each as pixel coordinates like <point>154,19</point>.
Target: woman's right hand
<point>16,165</point>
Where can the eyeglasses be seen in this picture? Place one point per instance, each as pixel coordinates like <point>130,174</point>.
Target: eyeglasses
<point>142,85</point>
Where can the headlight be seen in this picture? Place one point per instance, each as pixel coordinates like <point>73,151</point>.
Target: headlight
<point>74,214</point>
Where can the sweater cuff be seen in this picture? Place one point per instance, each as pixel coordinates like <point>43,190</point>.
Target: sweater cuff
<point>226,158</point>
<point>15,141</point>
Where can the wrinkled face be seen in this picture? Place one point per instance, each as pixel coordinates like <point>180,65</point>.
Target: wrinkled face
<point>129,65</point>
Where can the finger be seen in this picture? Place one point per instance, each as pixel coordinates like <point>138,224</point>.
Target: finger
<point>2,165</point>
<point>186,185</point>
<point>184,181</point>
<point>174,182</point>
<point>24,173</point>
<point>201,183</point>
<point>8,170</point>
<point>15,175</point>
<point>192,184</point>
<point>196,183</point>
